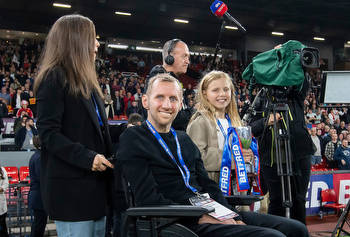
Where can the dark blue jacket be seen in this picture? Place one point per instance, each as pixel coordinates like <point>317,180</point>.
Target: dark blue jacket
<point>21,136</point>
<point>34,197</point>
<point>342,154</point>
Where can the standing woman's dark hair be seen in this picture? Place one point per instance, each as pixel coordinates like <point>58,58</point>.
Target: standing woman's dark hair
<point>71,45</point>
<point>73,130</point>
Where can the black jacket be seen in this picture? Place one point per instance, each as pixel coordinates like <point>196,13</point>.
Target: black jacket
<point>21,136</point>
<point>34,196</point>
<point>71,137</point>
<point>158,180</point>
<point>300,140</point>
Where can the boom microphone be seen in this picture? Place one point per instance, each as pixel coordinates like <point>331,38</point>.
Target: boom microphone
<point>219,9</point>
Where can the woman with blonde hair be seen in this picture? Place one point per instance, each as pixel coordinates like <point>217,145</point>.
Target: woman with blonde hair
<point>209,126</point>
<point>73,129</point>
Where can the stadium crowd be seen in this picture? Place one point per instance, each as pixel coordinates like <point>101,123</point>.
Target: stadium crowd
<point>122,79</point>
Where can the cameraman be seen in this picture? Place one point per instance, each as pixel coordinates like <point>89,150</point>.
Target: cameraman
<point>301,151</point>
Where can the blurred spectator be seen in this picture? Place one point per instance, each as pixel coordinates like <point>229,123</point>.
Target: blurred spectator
<point>326,130</point>
<point>348,137</point>
<point>130,88</point>
<point>24,136</point>
<point>24,107</point>
<point>311,116</point>
<point>346,115</point>
<point>20,122</point>
<point>115,86</point>
<point>324,116</point>
<point>341,127</point>
<point>316,157</point>
<point>327,137</point>
<point>188,93</point>
<point>134,119</point>
<point>34,197</point>
<point>3,109</point>
<point>128,99</point>
<point>27,88</point>
<point>342,155</point>
<point>336,124</point>
<point>18,98</point>
<point>4,184</point>
<point>15,84</point>
<point>118,103</point>
<point>108,104</point>
<point>333,116</point>
<point>141,66</point>
<point>133,108</point>
<point>138,94</point>
<point>318,116</point>
<point>5,95</point>
<point>32,103</point>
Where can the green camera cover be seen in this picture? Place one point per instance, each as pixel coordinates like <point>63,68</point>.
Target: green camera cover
<point>278,67</point>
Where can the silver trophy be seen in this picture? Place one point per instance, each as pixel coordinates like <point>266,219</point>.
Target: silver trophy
<point>245,136</point>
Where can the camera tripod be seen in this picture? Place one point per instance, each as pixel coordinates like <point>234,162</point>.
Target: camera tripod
<point>282,149</point>
<point>341,221</point>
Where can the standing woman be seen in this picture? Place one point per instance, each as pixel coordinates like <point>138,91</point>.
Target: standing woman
<point>216,107</point>
<point>73,129</point>
<point>4,184</point>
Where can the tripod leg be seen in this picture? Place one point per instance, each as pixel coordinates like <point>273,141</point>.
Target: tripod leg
<point>341,221</point>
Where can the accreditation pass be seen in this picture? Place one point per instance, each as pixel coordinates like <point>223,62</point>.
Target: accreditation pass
<point>220,212</point>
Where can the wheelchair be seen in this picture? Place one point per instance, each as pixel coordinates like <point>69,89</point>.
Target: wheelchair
<point>165,221</point>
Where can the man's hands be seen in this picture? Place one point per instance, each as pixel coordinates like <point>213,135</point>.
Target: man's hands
<point>272,118</point>
<point>211,220</point>
<point>101,163</point>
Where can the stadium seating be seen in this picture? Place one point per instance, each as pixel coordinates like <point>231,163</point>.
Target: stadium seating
<point>330,197</point>
<point>12,174</point>
<point>24,174</point>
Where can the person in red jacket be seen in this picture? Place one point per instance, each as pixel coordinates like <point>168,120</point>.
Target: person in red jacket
<point>24,107</point>
<point>128,99</point>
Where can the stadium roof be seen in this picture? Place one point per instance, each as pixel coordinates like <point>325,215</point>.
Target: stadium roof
<point>154,19</point>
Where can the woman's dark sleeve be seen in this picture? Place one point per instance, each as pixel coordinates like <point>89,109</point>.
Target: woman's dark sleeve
<point>50,110</point>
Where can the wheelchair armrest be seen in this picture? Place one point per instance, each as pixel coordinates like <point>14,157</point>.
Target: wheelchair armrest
<point>168,211</point>
<point>243,200</point>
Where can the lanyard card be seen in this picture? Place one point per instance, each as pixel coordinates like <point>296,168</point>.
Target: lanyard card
<point>220,212</point>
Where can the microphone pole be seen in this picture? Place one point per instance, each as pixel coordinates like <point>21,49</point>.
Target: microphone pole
<point>217,48</point>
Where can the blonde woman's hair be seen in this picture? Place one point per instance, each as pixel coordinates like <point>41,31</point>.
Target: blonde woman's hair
<point>70,44</point>
<point>207,109</point>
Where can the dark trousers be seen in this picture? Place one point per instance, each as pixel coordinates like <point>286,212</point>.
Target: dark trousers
<point>299,183</point>
<point>3,227</point>
<point>39,223</point>
<point>258,225</point>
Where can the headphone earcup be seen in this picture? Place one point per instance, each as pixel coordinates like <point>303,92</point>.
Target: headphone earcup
<point>169,60</point>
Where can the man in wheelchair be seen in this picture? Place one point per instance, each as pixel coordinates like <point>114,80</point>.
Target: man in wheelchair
<point>164,167</point>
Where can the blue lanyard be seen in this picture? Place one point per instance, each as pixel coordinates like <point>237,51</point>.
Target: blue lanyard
<point>220,126</point>
<point>97,112</point>
<point>186,175</point>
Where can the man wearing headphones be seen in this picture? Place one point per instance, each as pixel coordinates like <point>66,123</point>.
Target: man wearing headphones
<point>176,58</point>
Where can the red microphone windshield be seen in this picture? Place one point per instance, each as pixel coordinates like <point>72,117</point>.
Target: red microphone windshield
<point>221,10</point>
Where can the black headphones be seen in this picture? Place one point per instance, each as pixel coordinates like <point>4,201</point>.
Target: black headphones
<point>169,59</point>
